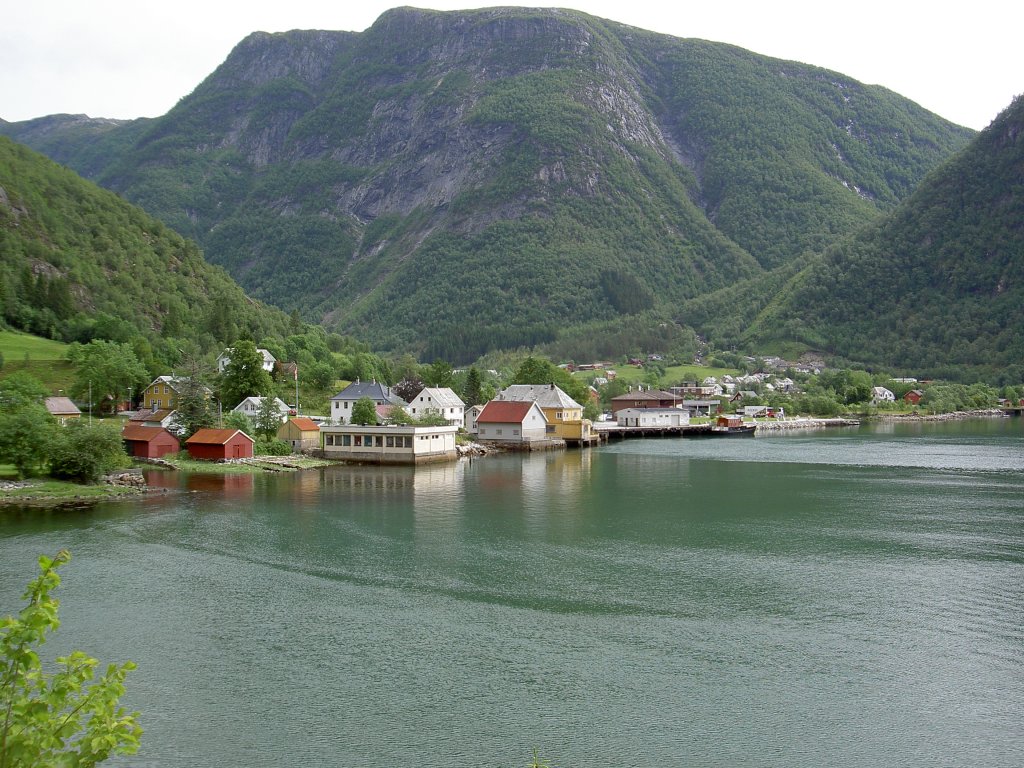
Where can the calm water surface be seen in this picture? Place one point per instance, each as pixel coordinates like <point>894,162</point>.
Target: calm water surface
<point>848,598</point>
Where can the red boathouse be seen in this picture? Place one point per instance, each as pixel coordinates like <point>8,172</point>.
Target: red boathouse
<point>148,442</point>
<point>220,444</point>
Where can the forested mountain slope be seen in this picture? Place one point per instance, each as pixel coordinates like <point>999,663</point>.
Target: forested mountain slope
<point>76,261</point>
<point>937,288</point>
<point>453,182</point>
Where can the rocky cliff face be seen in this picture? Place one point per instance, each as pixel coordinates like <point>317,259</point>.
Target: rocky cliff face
<point>495,163</point>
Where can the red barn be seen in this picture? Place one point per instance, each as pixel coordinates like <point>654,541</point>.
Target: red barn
<point>148,442</point>
<point>914,396</point>
<point>220,444</point>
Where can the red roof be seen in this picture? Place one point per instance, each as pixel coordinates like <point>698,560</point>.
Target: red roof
<point>305,424</point>
<point>214,436</point>
<point>144,434</point>
<point>504,412</point>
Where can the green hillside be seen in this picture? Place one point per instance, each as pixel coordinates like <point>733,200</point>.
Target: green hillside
<point>454,182</point>
<point>78,262</point>
<point>937,288</point>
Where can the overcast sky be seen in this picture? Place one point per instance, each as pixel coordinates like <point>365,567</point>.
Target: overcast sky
<point>114,58</point>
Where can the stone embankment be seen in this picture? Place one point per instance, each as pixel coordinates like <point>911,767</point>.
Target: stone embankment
<point>802,423</point>
<point>981,413</point>
<point>474,449</point>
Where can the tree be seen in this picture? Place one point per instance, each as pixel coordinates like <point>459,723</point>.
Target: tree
<point>105,370</point>
<point>472,392</point>
<point>407,388</point>
<point>438,374</point>
<point>268,418</point>
<point>364,412</point>
<point>193,408</point>
<point>60,718</point>
<point>319,376</point>
<point>20,388</point>
<point>238,420</point>
<point>24,436</point>
<point>244,375</point>
<point>83,453</point>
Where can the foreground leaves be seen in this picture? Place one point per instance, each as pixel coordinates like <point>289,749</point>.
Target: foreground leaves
<point>66,718</point>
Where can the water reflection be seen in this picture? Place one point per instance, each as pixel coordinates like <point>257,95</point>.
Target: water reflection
<point>235,487</point>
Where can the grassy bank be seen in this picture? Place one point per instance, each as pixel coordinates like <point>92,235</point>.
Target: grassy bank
<point>183,463</point>
<point>46,491</point>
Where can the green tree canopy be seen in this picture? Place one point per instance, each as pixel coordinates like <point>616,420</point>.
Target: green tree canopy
<point>24,436</point>
<point>267,420</point>
<point>472,392</point>
<point>364,412</point>
<point>244,375</point>
<point>107,370</point>
<point>84,452</point>
<point>62,718</point>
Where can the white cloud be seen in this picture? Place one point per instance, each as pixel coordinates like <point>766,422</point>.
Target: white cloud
<point>112,58</point>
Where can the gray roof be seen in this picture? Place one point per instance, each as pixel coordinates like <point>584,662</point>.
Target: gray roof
<point>545,395</point>
<point>61,406</point>
<point>442,397</point>
<point>371,389</point>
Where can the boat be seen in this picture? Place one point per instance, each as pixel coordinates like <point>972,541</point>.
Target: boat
<point>732,426</point>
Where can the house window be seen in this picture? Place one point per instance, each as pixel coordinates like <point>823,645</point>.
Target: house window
<point>550,428</point>
<point>346,440</point>
<point>329,440</point>
<point>515,431</point>
<point>359,441</point>
<point>497,431</point>
<point>390,443</point>
<point>379,442</point>
<point>346,405</point>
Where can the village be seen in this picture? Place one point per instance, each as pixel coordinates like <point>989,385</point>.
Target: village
<point>368,422</point>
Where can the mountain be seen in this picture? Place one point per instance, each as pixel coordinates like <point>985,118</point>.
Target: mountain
<point>454,182</point>
<point>77,261</point>
<point>936,288</point>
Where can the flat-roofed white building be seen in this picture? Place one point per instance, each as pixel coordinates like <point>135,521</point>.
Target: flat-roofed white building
<point>388,444</point>
<point>653,417</point>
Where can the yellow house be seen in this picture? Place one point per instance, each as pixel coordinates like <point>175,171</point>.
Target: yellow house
<point>564,415</point>
<point>162,394</point>
<point>301,433</point>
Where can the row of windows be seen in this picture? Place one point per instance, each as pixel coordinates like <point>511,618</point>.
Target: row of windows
<point>369,441</point>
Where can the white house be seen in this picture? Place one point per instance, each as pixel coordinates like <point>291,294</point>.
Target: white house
<point>882,395</point>
<point>389,444</point>
<point>225,357</point>
<point>511,422</point>
<point>653,417</point>
<point>251,406</point>
<point>472,414</point>
<point>380,394</point>
<point>439,400</point>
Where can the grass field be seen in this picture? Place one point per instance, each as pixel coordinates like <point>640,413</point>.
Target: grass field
<point>43,358</point>
<point>18,347</point>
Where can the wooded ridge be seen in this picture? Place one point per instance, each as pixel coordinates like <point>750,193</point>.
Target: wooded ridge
<point>450,183</point>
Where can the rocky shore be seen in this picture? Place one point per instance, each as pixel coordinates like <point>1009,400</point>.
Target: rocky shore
<point>804,423</point>
<point>983,413</point>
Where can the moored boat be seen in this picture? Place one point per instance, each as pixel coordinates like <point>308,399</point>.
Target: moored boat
<point>732,426</point>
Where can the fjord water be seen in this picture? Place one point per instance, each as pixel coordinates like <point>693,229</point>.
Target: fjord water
<point>851,597</point>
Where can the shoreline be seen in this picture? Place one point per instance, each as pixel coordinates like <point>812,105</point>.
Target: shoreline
<point>805,423</point>
<point>981,413</point>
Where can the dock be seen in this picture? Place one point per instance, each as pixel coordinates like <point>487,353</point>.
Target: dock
<point>611,431</point>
